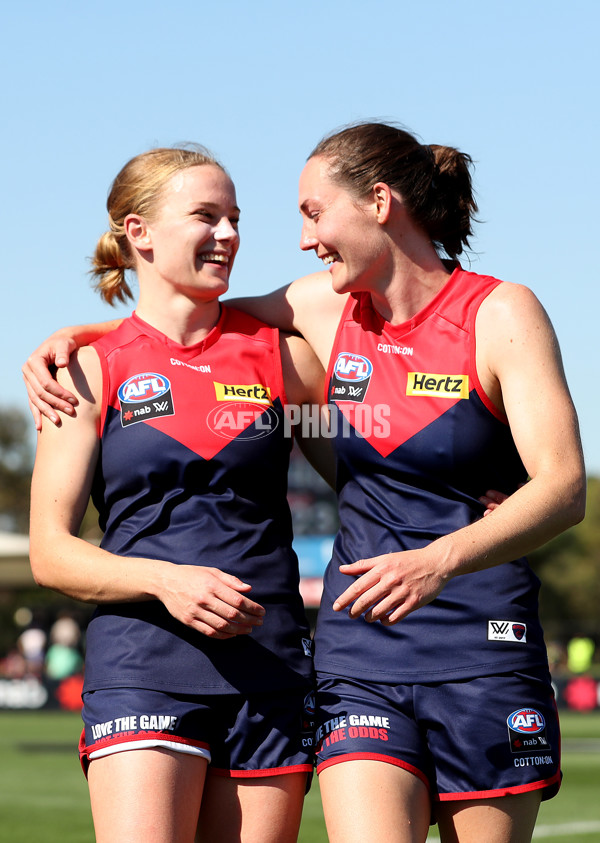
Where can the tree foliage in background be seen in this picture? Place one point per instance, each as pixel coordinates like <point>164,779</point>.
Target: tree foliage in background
<point>16,461</point>
<point>16,464</point>
<point>569,568</point>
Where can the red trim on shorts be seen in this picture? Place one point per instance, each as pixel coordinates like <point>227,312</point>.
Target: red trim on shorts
<point>373,756</point>
<point>249,774</point>
<point>84,751</point>
<point>555,781</point>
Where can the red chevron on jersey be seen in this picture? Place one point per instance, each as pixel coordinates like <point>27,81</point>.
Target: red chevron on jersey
<point>164,384</point>
<point>401,366</point>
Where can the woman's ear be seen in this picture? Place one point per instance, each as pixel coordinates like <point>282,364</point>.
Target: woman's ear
<point>383,198</point>
<point>138,233</point>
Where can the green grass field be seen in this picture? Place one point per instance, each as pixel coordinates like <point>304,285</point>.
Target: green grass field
<point>43,795</point>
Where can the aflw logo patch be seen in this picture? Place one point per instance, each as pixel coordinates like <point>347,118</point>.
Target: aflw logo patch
<point>145,396</point>
<point>507,631</point>
<point>254,392</point>
<point>441,386</point>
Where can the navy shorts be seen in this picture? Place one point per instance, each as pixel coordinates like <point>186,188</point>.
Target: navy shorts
<point>472,739</point>
<point>264,734</point>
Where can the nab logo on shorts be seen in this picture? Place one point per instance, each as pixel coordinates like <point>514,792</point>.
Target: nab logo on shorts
<point>350,378</point>
<point>527,730</point>
<point>145,396</point>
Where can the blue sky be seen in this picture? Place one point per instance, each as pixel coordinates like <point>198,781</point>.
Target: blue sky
<point>87,86</point>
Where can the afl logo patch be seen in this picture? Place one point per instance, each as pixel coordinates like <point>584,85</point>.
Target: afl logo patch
<point>352,367</point>
<point>145,396</point>
<point>143,387</point>
<point>527,731</point>
<point>350,378</point>
<point>528,721</point>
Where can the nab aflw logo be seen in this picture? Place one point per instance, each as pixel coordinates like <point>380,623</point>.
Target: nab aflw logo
<point>350,378</point>
<point>145,396</point>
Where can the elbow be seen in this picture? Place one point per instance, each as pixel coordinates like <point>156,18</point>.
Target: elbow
<point>40,561</point>
<point>579,506</point>
<point>575,501</point>
<point>39,570</point>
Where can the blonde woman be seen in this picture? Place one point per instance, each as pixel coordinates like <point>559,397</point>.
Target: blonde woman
<point>198,688</point>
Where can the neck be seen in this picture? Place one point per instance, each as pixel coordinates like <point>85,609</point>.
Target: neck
<point>413,276</point>
<point>409,288</point>
<point>184,321</point>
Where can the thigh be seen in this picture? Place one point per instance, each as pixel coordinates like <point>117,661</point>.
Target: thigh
<point>262,809</point>
<point>509,819</point>
<point>374,800</point>
<point>146,796</point>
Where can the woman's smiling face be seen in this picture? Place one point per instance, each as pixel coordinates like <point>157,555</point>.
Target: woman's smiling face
<point>342,230</point>
<point>193,238</point>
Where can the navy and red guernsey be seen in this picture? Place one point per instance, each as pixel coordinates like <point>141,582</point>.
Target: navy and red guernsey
<point>417,443</point>
<point>193,469</point>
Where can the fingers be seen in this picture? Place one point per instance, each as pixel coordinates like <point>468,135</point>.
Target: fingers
<point>389,587</point>
<point>37,416</point>
<point>492,500</point>
<point>357,593</point>
<point>46,396</point>
<point>40,407</point>
<point>221,620</point>
<point>214,603</point>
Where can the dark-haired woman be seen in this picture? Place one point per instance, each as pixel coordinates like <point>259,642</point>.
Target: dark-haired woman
<point>434,690</point>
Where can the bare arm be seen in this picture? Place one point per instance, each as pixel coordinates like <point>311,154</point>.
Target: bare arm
<point>47,396</point>
<point>308,307</point>
<point>304,379</point>
<point>205,599</point>
<point>520,368</point>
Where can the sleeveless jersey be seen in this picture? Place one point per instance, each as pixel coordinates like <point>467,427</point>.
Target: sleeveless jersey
<point>417,443</point>
<point>193,469</point>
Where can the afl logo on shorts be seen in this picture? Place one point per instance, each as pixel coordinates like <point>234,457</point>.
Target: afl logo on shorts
<point>350,377</point>
<point>527,731</point>
<point>528,721</point>
<point>145,396</point>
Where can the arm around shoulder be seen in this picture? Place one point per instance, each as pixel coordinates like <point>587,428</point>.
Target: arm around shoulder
<point>304,379</point>
<point>308,306</point>
<point>47,396</point>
